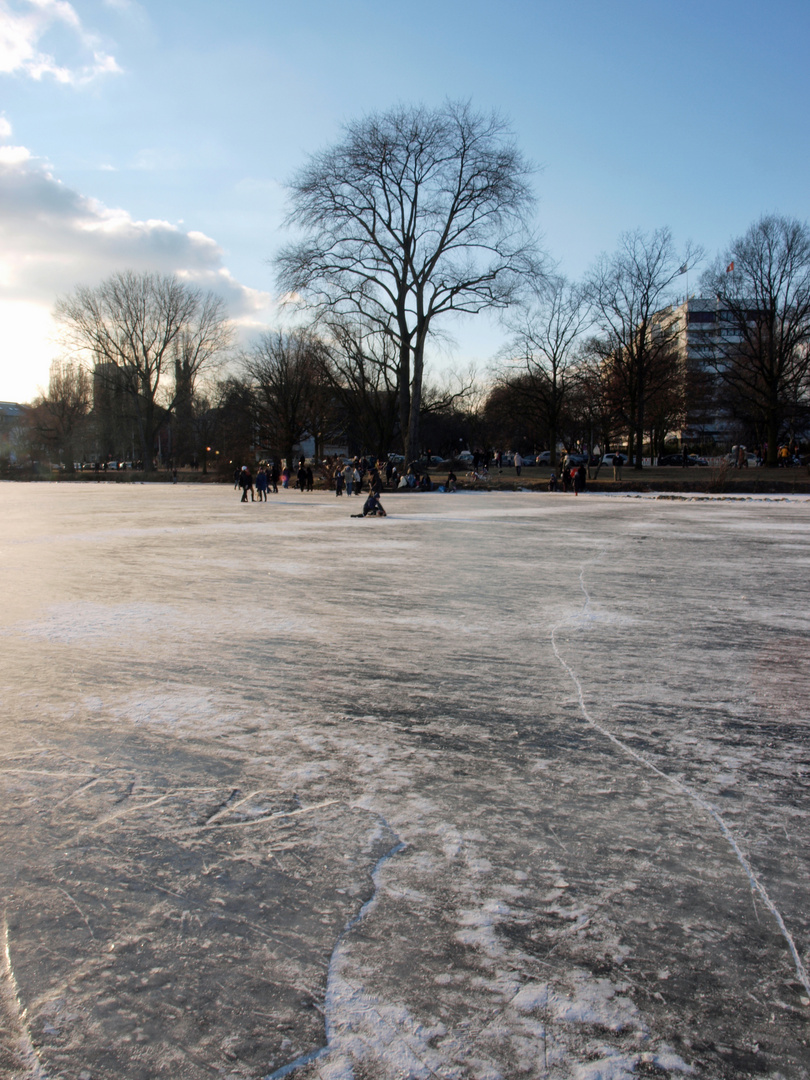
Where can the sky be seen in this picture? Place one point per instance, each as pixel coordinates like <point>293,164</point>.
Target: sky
<point>160,135</point>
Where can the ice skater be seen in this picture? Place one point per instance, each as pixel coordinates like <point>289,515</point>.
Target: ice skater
<point>246,484</point>
<point>372,507</point>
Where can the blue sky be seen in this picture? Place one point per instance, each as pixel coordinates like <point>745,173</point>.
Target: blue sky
<point>159,135</point>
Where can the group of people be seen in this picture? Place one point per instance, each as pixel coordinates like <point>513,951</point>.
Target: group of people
<point>572,479</point>
<point>365,475</point>
<point>268,478</point>
<point>787,456</point>
<point>358,472</point>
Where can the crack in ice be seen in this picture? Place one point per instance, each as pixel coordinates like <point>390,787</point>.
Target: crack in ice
<point>755,884</point>
<point>16,1014</point>
<point>330,996</point>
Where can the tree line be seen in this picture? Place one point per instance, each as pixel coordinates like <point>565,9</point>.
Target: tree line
<point>414,216</point>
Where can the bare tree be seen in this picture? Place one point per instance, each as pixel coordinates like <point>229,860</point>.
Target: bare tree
<point>543,350</point>
<point>416,214</point>
<point>629,291</point>
<point>139,331</point>
<point>762,285</point>
<point>201,348</point>
<point>62,413</point>
<point>286,373</point>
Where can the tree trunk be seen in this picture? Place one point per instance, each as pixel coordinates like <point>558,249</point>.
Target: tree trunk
<point>404,391</point>
<point>639,433</point>
<point>416,406</point>
<point>146,451</point>
<point>773,430</point>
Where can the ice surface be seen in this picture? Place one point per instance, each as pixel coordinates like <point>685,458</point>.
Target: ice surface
<point>503,785</point>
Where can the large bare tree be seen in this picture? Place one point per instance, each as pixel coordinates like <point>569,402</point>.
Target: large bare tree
<point>629,291</point>
<point>415,214</point>
<point>148,334</point>
<point>762,285</point>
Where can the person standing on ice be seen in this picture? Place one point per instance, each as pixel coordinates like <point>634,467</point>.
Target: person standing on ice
<point>246,484</point>
<point>261,484</point>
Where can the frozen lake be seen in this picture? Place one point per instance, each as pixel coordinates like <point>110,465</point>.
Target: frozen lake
<point>501,786</point>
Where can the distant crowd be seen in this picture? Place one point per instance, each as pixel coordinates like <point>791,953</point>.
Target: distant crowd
<point>366,475</point>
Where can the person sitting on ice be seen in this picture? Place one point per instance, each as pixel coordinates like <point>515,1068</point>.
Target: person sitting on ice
<point>372,507</point>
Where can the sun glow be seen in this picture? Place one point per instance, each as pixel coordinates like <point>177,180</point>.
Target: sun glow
<point>27,347</point>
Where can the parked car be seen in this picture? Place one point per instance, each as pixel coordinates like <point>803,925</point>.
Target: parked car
<point>677,459</point>
<point>608,459</point>
<point>751,461</point>
<point>576,459</point>
<point>544,458</point>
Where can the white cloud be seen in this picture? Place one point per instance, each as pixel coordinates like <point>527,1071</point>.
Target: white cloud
<point>23,24</point>
<point>52,238</point>
<point>13,155</point>
<point>5,128</point>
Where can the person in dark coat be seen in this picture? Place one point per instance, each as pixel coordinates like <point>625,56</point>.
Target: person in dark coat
<point>246,484</point>
<point>580,479</point>
<point>372,507</point>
